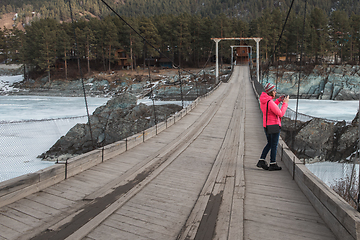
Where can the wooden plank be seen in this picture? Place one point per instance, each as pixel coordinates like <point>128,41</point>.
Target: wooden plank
<point>223,220</point>
<point>38,206</point>
<point>171,208</point>
<point>236,229</point>
<point>79,186</point>
<point>8,233</point>
<point>98,174</point>
<point>20,216</point>
<point>14,224</point>
<point>292,220</point>
<point>29,209</point>
<point>148,231</point>
<point>169,199</point>
<point>151,222</point>
<point>267,231</point>
<point>109,232</point>
<point>51,201</point>
<point>147,216</point>
<point>65,192</point>
<point>171,216</point>
<point>169,188</point>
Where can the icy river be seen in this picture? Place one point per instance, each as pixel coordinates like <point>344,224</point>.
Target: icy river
<point>30,125</point>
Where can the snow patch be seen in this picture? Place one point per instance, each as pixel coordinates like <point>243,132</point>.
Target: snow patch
<point>6,82</point>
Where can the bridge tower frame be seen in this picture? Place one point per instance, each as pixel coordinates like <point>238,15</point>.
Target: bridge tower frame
<point>232,53</point>
<point>257,40</point>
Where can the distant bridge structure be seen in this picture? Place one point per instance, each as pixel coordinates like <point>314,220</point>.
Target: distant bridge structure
<point>257,40</point>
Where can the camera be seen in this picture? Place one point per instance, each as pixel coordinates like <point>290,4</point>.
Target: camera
<point>282,97</point>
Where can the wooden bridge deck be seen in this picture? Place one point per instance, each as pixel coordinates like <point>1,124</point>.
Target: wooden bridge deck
<point>195,180</point>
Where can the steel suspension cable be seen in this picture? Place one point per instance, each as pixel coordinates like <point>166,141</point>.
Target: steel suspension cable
<point>282,31</point>
<point>144,39</point>
<point>301,65</point>
<point>81,73</point>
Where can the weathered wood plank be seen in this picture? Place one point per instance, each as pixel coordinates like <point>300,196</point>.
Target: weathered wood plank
<point>31,209</point>
<point>49,200</point>
<point>8,233</point>
<point>65,192</point>
<point>37,206</point>
<point>146,230</point>
<point>171,216</point>
<point>19,216</point>
<point>109,232</point>
<point>14,224</point>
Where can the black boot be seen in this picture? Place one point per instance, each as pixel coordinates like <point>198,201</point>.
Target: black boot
<point>274,167</point>
<point>262,164</point>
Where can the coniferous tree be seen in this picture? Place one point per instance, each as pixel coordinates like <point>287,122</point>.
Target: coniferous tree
<point>64,46</point>
<point>110,38</point>
<point>89,40</point>
<point>355,37</point>
<point>150,33</point>
<point>16,42</point>
<point>6,44</point>
<point>339,33</point>
<point>40,44</point>
<point>182,35</point>
<point>2,44</point>
<point>318,34</point>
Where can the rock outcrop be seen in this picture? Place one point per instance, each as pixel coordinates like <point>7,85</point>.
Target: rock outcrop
<point>322,139</point>
<point>11,70</point>
<point>121,117</point>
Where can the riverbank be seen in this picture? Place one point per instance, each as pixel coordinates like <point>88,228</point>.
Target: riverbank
<point>164,83</point>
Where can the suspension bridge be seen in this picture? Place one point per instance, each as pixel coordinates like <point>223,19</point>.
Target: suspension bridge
<point>195,179</point>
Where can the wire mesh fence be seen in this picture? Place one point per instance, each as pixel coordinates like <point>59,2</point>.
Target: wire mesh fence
<point>22,141</point>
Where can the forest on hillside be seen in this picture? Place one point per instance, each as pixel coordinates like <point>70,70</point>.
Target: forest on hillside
<point>183,39</point>
<point>246,10</point>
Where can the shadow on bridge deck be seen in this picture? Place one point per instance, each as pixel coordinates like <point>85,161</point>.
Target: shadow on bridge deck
<point>194,180</point>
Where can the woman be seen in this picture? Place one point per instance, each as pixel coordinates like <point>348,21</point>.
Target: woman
<point>271,116</point>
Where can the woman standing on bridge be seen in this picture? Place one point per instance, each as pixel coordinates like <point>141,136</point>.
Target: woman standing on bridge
<point>271,120</point>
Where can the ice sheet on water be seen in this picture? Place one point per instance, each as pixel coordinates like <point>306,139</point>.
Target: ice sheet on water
<point>19,108</point>
<point>330,109</point>
<point>22,142</point>
<point>331,172</point>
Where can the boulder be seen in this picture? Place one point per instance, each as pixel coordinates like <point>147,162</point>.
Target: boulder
<point>319,138</point>
<point>315,137</point>
<point>118,119</point>
<point>347,143</point>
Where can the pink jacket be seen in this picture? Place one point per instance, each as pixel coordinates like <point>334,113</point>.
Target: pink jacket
<point>274,113</point>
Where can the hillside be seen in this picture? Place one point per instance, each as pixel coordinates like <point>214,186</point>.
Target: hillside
<point>246,10</point>
<point>7,22</point>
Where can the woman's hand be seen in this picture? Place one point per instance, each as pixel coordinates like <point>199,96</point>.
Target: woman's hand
<point>286,99</point>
